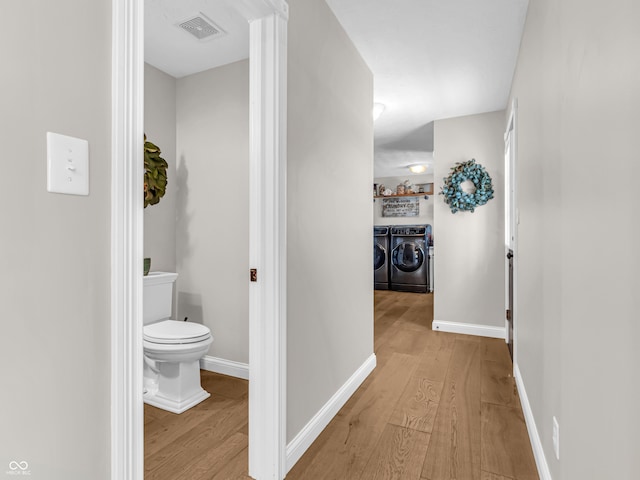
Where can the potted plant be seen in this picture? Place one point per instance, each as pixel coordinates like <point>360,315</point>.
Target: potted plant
<point>155,180</point>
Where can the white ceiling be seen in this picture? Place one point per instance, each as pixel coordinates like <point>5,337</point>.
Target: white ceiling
<point>178,53</point>
<point>430,59</point>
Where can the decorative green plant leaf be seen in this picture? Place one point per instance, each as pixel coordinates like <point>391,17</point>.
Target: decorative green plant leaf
<point>155,174</point>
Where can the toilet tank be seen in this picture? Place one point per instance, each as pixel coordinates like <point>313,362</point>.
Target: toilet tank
<point>157,296</point>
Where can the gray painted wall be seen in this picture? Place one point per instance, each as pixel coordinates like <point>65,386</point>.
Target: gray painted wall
<point>577,89</point>
<point>469,253</point>
<point>330,212</point>
<point>213,205</point>
<point>55,249</point>
<point>160,127</point>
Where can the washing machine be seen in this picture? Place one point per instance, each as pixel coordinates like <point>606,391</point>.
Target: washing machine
<point>410,258</point>
<point>381,258</point>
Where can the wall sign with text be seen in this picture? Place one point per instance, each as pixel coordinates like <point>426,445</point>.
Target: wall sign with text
<point>401,207</point>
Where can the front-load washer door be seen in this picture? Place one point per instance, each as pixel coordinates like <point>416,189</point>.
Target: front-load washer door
<point>379,256</point>
<point>380,264</point>
<point>408,257</point>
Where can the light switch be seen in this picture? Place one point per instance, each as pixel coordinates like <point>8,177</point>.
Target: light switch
<point>67,164</point>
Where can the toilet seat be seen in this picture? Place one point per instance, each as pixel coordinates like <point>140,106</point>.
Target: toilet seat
<point>169,332</point>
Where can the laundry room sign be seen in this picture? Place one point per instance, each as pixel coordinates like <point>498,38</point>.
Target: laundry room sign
<point>401,207</point>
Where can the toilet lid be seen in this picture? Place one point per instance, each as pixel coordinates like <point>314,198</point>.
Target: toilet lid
<point>172,331</point>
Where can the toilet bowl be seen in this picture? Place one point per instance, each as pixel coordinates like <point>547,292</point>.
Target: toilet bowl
<point>172,349</point>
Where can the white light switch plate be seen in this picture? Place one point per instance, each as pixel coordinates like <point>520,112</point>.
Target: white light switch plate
<point>67,164</point>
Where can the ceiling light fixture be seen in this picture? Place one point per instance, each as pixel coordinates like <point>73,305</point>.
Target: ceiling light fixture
<point>418,168</point>
<point>378,108</point>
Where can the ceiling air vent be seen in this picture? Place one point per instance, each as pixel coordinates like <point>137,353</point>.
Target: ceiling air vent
<point>201,27</point>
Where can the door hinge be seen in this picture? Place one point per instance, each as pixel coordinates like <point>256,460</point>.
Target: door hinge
<point>508,314</point>
<point>254,274</point>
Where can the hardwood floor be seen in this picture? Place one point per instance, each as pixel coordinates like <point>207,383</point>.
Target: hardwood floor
<point>208,441</point>
<point>438,406</point>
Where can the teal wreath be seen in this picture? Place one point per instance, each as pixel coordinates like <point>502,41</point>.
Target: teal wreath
<point>459,200</point>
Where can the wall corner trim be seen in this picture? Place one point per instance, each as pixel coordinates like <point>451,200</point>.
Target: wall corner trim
<point>225,367</point>
<point>469,329</point>
<point>315,426</point>
<point>534,437</point>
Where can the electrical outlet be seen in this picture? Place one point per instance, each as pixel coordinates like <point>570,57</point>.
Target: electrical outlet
<point>556,437</point>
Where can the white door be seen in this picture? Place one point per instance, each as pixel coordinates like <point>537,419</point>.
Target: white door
<point>510,227</point>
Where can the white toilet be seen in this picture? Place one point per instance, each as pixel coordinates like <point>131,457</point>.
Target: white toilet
<point>172,349</point>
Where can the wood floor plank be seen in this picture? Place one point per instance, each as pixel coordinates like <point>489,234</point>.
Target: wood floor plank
<point>237,469</point>
<point>223,424</point>
<point>421,314</point>
<point>498,384</point>
<point>454,448</point>
<point>152,415</point>
<point>406,340</point>
<point>496,350</point>
<point>383,303</point>
<point>174,444</point>
<point>225,386</point>
<point>354,435</point>
<point>166,430</point>
<point>505,443</point>
<point>384,326</point>
<point>435,362</point>
<point>493,476</point>
<point>417,407</point>
<point>198,442</point>
<point>165,464</point>
<point>214,460</point>
<point>398,455</point>
<point>383,298</point>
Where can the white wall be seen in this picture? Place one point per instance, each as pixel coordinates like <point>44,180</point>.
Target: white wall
<point>55,249</point>
<point>576,85</point>
<point>330,177</point>
<point>213,205</point>
<point>469,264</point>
<point>160,127</point>
<point>426,205</point>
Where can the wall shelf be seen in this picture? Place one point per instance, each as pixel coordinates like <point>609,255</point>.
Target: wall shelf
<point>428,190</point>
<point>423,194</point>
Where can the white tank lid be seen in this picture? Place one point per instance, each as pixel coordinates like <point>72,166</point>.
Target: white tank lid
<point>156,278</point>
<point>172,331</point>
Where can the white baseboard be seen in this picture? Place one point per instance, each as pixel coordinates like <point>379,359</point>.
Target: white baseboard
<point>534,437</point>
<point>225,367</point>
<point>469,329</point>
<point>308,434</point>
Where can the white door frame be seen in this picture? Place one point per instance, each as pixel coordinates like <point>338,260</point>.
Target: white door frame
<point>268,244</point>
<point>267,344</point>
<point>511,219</point>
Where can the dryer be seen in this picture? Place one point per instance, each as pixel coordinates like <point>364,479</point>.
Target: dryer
<point>410,258</point>
<point>381,258</point>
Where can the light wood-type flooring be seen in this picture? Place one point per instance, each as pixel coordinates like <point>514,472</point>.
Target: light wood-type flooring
<point>438,406</point>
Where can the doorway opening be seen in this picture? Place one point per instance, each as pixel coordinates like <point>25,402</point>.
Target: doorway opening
<point>267,249</point>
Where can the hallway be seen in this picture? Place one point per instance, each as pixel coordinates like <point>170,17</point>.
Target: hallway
<point>438,406</point>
